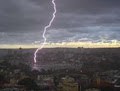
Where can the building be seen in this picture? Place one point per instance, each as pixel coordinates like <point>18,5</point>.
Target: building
<point>46,81</point>
<point>67,84</point>
<point>93,89</point>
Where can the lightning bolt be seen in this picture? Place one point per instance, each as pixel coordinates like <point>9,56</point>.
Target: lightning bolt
<point>45,29</point>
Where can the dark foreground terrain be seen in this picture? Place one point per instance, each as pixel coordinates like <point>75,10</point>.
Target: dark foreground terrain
<point>60,69</point>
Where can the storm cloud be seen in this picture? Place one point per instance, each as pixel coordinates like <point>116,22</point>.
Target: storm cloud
<point>22,21</point>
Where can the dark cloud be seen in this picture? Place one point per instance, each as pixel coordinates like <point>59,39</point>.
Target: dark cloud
<point>22,16</point>
<point>22,21</point>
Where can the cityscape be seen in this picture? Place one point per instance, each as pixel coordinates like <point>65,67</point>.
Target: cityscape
<point>60,69</point>
<point>59,45</point>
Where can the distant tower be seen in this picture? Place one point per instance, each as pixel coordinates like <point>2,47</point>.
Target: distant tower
<point>20,51</point>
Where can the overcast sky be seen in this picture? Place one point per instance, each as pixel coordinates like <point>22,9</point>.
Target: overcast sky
<point>22,21</point>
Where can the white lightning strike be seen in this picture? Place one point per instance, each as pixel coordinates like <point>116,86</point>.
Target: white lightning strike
<point>45,29</point>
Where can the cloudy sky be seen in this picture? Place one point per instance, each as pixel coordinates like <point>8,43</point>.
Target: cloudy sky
<point>87,23</point>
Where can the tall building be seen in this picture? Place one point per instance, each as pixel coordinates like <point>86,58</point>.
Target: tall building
<point>20,51</point>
